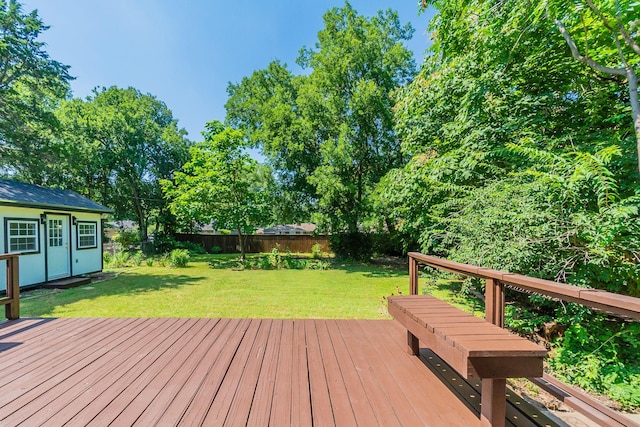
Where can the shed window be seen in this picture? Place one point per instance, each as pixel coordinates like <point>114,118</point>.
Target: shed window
<point>22,235</point>
<point>87,236</point>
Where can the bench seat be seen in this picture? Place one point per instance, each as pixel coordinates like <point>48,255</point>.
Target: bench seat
<point>472,346</point>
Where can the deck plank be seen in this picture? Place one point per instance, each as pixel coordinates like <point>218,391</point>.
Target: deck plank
<point>280,414</point>
<point>224,342</point>
<point>321,410</point>
<point>106,396</point>
<point>263,397</point>
<point>199,372</point>
<point>63,389</point>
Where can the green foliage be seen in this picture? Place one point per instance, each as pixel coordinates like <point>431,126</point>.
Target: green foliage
<point>136,259</point>
<point>218,186</point>
<point>316,251</point>
<point>119,259</point>
<point>329,134</point>
<point>600,355</point>
<point>275,259</point>
<point>520,159</point>
<point>149,262</point>
<point>126,238</point>
<point>119,143</point>
<point>356,246</point>
<point>216,249</point>
<point>179,258</point>
<point>31,86</point>
<point>106,257</point>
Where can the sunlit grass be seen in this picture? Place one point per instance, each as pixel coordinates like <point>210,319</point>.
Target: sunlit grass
<point>347,291</point>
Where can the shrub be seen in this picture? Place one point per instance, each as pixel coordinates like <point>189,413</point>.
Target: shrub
<point>136,259</point>
<point>275,259</point>
<point>149,262</point>
<point>357,246</point>
<point>179,258</point>
<point>216,249</point>
<point>316,251</point>
<point>294,263</point>
<point>126,238</point>
<point>119,259</point>
<point>106,256</point>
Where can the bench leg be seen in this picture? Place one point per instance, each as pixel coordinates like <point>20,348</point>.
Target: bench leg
<point>494,401</point>
<point>413,344</point>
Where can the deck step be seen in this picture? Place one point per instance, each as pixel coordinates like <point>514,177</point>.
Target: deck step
<point>66,283</point>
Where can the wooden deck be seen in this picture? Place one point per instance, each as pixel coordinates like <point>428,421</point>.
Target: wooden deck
<point>234,372</point>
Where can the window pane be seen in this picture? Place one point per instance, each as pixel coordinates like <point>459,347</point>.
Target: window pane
<point>23,236</point>
<point>87,235</point>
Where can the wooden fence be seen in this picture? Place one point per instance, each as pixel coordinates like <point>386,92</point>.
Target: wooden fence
<point>229,244</point>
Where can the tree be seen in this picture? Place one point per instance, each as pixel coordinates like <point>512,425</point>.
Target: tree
<point>120,143</point>
<point>512,139</point>
<point>264,106</point>
<point>220,185</point>
<point>31,85</point>
<point>608,31</point>
<point>330,133</point>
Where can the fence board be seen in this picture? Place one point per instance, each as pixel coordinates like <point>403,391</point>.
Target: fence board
<point>228,244</point>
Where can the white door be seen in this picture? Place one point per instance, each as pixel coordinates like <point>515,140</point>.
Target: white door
<point>58,259</point>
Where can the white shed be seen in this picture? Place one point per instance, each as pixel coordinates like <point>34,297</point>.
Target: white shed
<point>57,232</point>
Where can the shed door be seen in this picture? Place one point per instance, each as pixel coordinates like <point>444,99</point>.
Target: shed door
<point>58,251</point>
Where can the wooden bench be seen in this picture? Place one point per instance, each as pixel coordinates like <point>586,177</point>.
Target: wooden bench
<point>475,348</point>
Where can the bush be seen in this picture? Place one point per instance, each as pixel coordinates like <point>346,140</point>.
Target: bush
<point>179,258</point>
<point>216,249</point>
<point>149,262</point>
<point>316,251</point>
<point>126,238</point>
<point>119,259</point>
<point>136,259</point>
<point>294,263</point>
<point>357,246</point>
<point>106,256</point>
<point>275,259</point>
<point>164,243</point>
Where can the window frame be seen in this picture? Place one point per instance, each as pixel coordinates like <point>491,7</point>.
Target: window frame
<point>8,237</point>
<point>95,234</point>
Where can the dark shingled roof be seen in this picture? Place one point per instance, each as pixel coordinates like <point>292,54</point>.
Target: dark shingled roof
<point>28,195</point>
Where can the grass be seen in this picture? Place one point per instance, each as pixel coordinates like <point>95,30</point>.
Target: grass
<point>346,291</point>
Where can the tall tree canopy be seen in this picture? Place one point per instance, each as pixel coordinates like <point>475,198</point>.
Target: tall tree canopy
<point>220,185</point>
<point>119,143</point>
<point>330,133</point>
<point>31,85</point>
<point>522,158</point>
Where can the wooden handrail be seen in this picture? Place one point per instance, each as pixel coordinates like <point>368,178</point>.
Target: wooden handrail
<point>12,301</point>
<point>494,312</point>
<point>600,300</point>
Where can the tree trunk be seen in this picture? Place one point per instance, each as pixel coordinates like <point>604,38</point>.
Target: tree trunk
<point>242,242</point>
<point>635,107</point>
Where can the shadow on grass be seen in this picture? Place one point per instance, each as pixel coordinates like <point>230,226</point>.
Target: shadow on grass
<point>39,304</point>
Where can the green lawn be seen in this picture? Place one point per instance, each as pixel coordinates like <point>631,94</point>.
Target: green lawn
<point>346,291</point>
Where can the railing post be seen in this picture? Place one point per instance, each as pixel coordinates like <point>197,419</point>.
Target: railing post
<point>413,343</point>
<point>494,302</point>
<point>413,276</point>
<point>12,310</point>
<point>493,407</point>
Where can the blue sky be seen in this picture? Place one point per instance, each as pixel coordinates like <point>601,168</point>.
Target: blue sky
<point>185,52</point>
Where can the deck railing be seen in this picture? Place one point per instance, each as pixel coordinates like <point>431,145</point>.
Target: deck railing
<point>11,301</point>
<point>494,312</point>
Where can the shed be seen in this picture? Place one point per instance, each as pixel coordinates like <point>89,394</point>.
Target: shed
<point>57,232</point>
